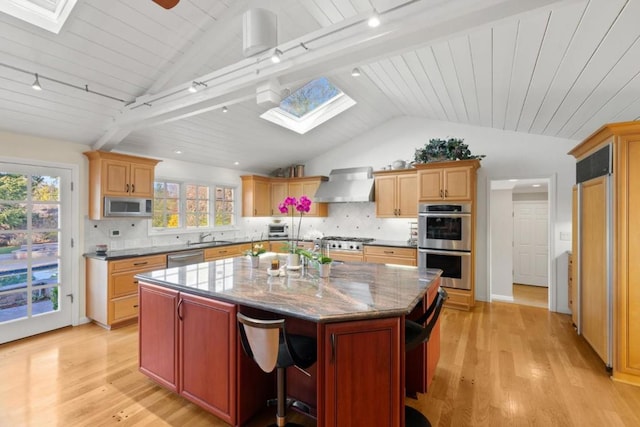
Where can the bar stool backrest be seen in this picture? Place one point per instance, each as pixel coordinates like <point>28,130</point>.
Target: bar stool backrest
<point>261,340</point>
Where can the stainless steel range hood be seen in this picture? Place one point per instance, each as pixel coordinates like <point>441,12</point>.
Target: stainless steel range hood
<point>347,185</point>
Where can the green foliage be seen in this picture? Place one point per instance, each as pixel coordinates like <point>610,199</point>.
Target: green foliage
<point>445,149</point>
<point>54,297</point>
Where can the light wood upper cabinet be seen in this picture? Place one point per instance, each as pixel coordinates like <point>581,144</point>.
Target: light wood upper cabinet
<point>308,186</point>
<point>453,180</point>
<point>396,194</point>
<point>256,195</point>
<point>261,195</point>
<point>113,174</point>
<point>279,190</point>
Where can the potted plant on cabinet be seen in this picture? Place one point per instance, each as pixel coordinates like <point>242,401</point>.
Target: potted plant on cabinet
<point>438,150</point>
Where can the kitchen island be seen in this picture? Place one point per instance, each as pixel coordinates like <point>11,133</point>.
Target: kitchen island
<point>188,336</point>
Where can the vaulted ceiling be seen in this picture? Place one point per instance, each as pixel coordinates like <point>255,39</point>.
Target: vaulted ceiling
<point>559,68</point>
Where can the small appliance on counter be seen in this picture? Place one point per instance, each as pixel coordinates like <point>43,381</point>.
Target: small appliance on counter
<point>278,230</point>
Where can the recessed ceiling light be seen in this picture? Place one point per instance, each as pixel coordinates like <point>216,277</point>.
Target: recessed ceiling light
<point>236,163</point>
<point>355,72</point>
<point>178,151</point>
<point>374,20</point>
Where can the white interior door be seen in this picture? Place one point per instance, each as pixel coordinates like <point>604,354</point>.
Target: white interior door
<point>35,246</point>
<point>530,243</point>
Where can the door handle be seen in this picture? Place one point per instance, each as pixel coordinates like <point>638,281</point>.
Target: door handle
<point>70,296</point>
<point>133,188</point>
<point>127,187</point>
<point>178,309</point>
<point>333,348</point>
<point>441,194</point>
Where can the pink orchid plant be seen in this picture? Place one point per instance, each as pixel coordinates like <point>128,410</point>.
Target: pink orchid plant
<point>291,205</point>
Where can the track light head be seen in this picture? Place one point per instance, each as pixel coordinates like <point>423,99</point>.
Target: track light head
<point>374,20</point>
<point>276,57</point>
<point>36,84</point>
<point>224,109</point>
<point>355,72</point>
<point>193,88</point>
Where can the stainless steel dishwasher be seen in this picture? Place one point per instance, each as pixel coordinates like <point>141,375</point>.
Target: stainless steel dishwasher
<point>179,259</point>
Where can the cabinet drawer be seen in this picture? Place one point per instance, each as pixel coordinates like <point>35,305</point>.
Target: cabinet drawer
<point>123,284</point>
<point>377,259</point>
<point>458,298</point>
<point>388,251</point>
<point>139,264</point>
<point>124,308</point>
<point>222,252</point>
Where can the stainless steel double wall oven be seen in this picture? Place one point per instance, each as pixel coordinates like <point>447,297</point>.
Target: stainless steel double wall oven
<point>444,242</point>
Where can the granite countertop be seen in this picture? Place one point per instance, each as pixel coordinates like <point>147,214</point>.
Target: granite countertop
<point>155,250</point>
<point>353,291</point>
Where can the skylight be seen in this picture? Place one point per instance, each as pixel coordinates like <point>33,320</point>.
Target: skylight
<point>48,14</point>
<point>310,106</point>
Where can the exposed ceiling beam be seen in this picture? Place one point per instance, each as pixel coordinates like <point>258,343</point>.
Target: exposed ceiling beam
<point>321,51</point>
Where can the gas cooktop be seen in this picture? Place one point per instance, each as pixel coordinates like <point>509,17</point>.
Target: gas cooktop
<point>346,243</point>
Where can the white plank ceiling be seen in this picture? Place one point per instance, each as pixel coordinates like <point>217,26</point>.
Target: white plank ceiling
<point>558,68</point>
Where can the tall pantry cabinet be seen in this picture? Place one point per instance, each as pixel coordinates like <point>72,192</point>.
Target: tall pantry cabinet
<point>616,239</point>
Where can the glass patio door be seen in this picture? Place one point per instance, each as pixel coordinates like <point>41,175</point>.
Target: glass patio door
<point>35,243</point>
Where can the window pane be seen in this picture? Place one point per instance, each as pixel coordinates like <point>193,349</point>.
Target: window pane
<point>13,306</point>
<point>13,187</point>
<point>192,220</point>
<point>44,300</point>
<point>45,188</point>
<point>45,216</point>
<point>228,194</point>
<point>203,192</point>
<point>13,216</point>
<point>173,189</point>
<point>173,221</point>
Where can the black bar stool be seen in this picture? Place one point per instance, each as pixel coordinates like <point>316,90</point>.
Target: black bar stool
<point>417,332</point>
<point>266,342</point>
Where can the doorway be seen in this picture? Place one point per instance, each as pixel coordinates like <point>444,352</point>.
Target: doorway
<point>35,245</point>
<point>519,253</point>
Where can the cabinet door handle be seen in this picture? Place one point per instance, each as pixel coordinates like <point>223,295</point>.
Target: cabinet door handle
<point>255,211</point>
<point>178,309</point>
<point>135,306</point>
<point>389,252</point>
<point>398,211</point>
<point>127,187</point>
<point>141,263</point>
<point>222,252</point>
<point>441,194</point>
<point>135,282</point>
<point>446,193</point>
<point>333,348</point>
<point>133,188</point>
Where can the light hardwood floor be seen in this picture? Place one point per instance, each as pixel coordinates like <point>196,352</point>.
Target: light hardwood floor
<point>536,296</point>
<point>501,365</point>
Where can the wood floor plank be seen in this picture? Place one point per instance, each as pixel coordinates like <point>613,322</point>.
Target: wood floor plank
<point>501,365</point>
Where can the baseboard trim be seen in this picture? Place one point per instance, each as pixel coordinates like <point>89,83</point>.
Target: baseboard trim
<point>501,298</point>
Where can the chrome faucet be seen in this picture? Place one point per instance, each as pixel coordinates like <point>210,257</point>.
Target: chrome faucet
<point>202,236</point>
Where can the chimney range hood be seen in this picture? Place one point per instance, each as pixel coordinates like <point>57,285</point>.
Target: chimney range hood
<point>347,185</point>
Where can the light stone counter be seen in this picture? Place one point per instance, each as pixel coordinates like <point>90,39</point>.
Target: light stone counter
<point>353,290</point>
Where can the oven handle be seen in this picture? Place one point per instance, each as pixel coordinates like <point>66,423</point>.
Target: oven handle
<point>453,253</point>
<point>444,214</point>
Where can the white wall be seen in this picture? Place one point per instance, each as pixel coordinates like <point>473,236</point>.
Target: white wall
<point>500,246</point>
<point>509,155</point>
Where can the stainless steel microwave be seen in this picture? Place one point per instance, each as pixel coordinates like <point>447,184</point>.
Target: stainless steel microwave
<point>128,207</point>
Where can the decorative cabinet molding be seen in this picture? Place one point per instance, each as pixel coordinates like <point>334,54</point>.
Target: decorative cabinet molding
<point>396,194</point>
<point>454,180</point>
<point>113,174</point>
<point>261,195</point>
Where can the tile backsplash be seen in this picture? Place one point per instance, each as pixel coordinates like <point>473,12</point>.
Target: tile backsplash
<point>345,219</point>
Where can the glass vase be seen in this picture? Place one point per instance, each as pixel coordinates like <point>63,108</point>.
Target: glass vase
<point>255,261</point>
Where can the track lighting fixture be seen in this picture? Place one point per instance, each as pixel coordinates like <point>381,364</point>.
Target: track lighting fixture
<point>355,72</point>
<point>194,86</point>
<point>374,20</point>
<point>224,109</point>
<point>277,56</point>
<point>36,84</point>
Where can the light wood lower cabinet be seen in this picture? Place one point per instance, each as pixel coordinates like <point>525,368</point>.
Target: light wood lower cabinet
<point>112,290</point>
<point>390,255</point>
<point>221,252</point>
<point>362,367</point>
<point>188,344</point>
